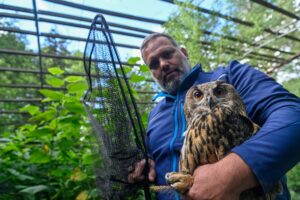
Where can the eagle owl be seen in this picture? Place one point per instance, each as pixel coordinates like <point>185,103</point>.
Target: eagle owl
<point>217,122</point>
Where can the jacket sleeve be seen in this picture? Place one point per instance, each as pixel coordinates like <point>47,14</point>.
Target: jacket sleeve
<point>275,148</point>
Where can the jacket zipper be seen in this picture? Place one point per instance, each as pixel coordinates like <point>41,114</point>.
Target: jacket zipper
<point>177,117</point>
<point>171,146</point>
<point>183,121</point>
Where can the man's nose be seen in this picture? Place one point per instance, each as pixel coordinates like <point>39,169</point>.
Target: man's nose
<point>164,64</point>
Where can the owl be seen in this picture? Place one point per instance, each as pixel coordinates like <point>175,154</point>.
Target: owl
<point>217,122</point>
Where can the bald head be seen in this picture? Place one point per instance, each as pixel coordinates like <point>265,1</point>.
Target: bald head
<point>168,63</point>
<point>154,36</point>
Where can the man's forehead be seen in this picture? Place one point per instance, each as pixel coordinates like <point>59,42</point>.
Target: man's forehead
<point>155,44</point>
<point>161,40</point>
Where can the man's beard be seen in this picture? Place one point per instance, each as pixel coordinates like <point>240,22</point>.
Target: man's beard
<point>171,86</point>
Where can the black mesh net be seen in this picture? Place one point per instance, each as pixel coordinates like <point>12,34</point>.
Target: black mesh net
<point>113,114</point>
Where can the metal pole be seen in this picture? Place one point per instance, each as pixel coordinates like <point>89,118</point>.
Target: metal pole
<point>38,42</point>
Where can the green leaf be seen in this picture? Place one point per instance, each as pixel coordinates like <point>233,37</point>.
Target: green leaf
<point>28,127</point>
<point>135,94</point>
<point>31,109</point>
<point>35,189</point>
<point>127,69</point>
<point>21,177</point>
<point>78,175</point>
<point>83,195</point>
<point>72,154</point>
<point>75,107</point>
<point>65,144</point>
<point>41,132</point>
<point>55,82</point>
<point>87,159</point>
<point>73,79</point>
<point>38,156</point>
<point>54,95</point>
<point>144,68</point>
<point>133,60</point>
<point>10,147</point>
<point>136,78</point>
<point>77,87</point>
<point>94,193</point>
<point>55,70</point>
<point>69,119</point>
<point>47,115</point>
<point>56,172</point>
<point>144,118</point>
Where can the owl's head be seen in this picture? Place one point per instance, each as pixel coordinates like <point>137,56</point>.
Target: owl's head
<point>207,96</point>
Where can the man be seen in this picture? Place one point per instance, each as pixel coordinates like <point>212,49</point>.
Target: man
<point>258,163</point>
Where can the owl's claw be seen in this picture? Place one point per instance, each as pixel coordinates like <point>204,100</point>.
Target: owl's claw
<point>179,181</point>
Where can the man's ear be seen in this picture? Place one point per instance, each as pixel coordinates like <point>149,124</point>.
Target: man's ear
<point>184,51</point>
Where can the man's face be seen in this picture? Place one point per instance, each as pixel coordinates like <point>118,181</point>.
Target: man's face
<point>168,64</point>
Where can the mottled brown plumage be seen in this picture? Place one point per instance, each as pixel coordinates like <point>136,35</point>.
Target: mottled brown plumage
<point>217,122</point>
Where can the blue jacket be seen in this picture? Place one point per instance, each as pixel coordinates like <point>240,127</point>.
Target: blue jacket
<point>270,153</point>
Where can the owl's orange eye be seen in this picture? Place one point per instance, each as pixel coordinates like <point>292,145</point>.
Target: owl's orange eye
<point>219,91</point>
<point>198,94</point>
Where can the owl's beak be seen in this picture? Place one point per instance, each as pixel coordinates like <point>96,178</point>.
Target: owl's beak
<point>209,101</point>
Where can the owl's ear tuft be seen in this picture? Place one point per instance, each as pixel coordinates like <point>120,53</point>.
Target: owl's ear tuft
<point>220,82</point>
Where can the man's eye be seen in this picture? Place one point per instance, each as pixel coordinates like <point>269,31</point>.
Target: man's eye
<point>153,64</point>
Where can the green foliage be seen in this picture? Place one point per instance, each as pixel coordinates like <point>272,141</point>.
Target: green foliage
<point>50,46</point>
<point>293,85</point>
<point>186,27</point>
<point>213,41</point>
<point>55,46</point>
<point>14,42</point>
<point>294,183</point>
<point>55,70</point>
<point>51,155</point>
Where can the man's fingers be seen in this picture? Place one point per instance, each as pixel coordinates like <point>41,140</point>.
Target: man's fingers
<point>152,173</point>
<point>130,178</point>
<point>136,174</point>
<point>139,168</point>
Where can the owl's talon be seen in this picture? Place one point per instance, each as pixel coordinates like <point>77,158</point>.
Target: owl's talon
<point>170,177</point>
<point>179,181</point>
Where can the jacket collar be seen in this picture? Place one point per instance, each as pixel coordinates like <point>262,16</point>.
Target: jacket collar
<point>187,82</point>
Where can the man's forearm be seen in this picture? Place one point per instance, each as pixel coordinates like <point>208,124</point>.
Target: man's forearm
<point>225,180</point>
<point>236,173</point>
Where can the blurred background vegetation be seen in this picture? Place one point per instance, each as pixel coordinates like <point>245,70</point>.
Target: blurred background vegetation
<point>46,146</point>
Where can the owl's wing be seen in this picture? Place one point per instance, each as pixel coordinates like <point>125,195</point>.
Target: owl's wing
<point>248,125</point>
<point>237,129</point>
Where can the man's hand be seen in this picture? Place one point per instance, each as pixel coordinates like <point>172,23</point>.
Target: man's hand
<point>137,174</point>
<point>224,180</point>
